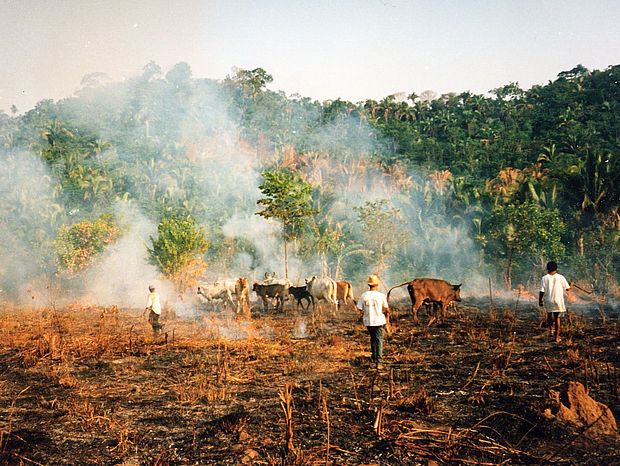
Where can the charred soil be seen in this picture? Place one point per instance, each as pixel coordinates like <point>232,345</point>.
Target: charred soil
<point>86,385</point>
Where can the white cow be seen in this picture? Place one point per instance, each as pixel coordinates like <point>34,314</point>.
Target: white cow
<point>221,290</point>
<point>322,289</point>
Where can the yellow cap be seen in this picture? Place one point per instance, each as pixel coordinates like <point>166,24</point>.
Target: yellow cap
<point>373,280</point>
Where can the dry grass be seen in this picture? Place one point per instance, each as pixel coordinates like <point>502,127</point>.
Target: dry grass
<point>274,391</point>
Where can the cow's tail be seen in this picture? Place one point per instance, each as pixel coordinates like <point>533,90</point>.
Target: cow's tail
<point>397,286</point>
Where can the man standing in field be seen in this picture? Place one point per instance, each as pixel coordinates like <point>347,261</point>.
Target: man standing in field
<point>551,296</point>
<point>154,306</point>
<point>373,308</point>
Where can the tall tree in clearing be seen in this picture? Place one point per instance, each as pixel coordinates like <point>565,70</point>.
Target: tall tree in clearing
<point>288,198</point>
<point>384,231</point>
<point>177,251</point>
<point>526,231</point>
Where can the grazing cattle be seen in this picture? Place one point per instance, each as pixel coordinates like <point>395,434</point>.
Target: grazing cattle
<point>322,289</point>
<point>270,278</point>
<point>242,293</point>
<point>344,292</point>
<point>277,291</point>
<point>431,290</point>
<point>224,291</point>
<point>299,293</point>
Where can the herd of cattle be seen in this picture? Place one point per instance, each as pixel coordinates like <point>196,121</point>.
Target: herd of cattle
<point>431,291</point>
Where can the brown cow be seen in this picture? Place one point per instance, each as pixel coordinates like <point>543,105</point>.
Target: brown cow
<point>433,290</point>
<point>242,293</point>
<point>344,291</point>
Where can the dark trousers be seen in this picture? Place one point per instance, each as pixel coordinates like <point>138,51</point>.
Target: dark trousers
<point>376,342</point>
<point>154,320</point>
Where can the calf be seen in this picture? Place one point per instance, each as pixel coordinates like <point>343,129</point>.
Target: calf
<point>431,290</point>
<point>276,291</point>
<point>299,293</point>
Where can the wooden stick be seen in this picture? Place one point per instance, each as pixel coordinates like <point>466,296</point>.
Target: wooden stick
<point>471,379</point>
<point>548,365</point>
<point>579,288</point>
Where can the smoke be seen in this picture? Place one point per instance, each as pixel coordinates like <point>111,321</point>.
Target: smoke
<point>123,274</point>
<point>29,220</point>
<point>195,154</point>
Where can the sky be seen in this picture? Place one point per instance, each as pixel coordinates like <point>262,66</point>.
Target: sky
<point>323,49</point>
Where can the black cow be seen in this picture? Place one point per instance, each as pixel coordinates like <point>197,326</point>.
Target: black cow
<point>277,291</point>
<point>299,293</point>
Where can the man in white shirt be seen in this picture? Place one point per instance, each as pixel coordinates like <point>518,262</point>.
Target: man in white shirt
<point>154,306</point>
<point>373,307</point>
<point>551,296</point>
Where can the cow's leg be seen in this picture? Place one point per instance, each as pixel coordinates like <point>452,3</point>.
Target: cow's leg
<point>414,312</point>
<point>444,308</point>
<point>414,306</point>
<point>212,303</point>
<point>434,312</point>
<point>333,297</point>
<point>265,304</point>
<point>229,299</point>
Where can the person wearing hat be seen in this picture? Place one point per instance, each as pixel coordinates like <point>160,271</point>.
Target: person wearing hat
<point>373,308</point>
<point>154,306</point>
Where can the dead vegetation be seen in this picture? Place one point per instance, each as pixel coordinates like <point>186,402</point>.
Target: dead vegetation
<point>92,385</point>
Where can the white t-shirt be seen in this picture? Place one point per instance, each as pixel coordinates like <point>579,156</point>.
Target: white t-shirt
<point>554,286</point>
<point>153,302</point>
<point>372,302</point>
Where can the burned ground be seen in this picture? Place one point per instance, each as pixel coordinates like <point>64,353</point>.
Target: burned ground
<point>86,385</point>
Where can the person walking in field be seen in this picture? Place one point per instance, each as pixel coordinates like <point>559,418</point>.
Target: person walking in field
<point>551,296</point>
<point>153,305</point>
<point>373,308</point>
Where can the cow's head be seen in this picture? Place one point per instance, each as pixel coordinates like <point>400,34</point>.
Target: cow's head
<point>457,292</point>
<point>254,287</point>
<point>310,280</point>
<point>242,282</point>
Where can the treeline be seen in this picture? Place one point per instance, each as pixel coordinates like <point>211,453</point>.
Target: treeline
<point>411,185</point>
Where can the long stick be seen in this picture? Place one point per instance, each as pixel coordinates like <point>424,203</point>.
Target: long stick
<point>585,291</point>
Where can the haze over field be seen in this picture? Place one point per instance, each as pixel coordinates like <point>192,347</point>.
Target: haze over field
<point>120,118</point>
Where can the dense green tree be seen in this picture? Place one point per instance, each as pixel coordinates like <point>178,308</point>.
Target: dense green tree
<point>177,251</point>
<point>287,198</point>
<point>525,232</point>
